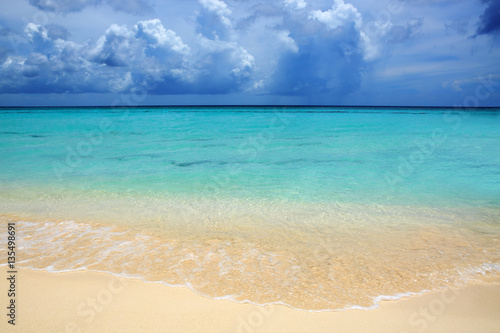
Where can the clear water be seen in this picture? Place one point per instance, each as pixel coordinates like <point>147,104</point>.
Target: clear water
<point>311,207</point>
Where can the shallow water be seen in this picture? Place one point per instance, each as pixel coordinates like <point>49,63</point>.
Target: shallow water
<point>315,208</point>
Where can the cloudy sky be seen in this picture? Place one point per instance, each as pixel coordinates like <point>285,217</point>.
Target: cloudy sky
<point>329,52</point>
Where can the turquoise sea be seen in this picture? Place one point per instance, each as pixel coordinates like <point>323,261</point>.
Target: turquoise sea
<point>319,208</point>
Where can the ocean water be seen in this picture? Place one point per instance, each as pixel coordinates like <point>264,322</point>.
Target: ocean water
<point>316,208</point>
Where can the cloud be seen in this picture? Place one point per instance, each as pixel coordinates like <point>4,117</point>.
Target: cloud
<point>296,4</point>
<point>155,34</point>
<point>305,53</point>
<point>53,66</point>
<point>121,83</point>
<point>36,32</point>
<point>44,36</point>
<point>218,7</point>
<point>339,15</point>
<point>320,53</point>
<point>317,68</point>
<point>40,37</point>
<point>117,47</point>
<point>65,6</point>
<point>489,21</point>
<point>55,31</point>
<point>213,21</point>
<point>401,33</point>
<point>123,58</point>
<point>293,49</point>
<point>346,16</point>
<point>284,37</point>
<point>221,66</point>
<point>261,10</point>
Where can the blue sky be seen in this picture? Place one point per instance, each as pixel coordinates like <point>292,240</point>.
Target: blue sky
<point>315,52</point>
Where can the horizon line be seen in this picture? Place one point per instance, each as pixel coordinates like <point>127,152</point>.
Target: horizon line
<point>245,106</point>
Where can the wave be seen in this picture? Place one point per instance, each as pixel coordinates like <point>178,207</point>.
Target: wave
<point>350,268</point>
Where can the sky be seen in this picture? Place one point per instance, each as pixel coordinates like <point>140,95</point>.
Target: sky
<point>239,52</point>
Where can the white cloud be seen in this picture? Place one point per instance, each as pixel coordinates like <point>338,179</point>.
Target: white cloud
<point>219,8</point>
<point>128,56</point>
<point>34,31</point>
<point>371,49</point>
<point>289,42</point>
<point>244,62</point>
<point>116,48</point>
<point>370,36</point>
<point>156,34</point>
<point>339,15</point>
<point>241,59</point>
<point>124,57</point>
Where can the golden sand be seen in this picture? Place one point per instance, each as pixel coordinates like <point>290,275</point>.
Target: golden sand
<point>96,302</point>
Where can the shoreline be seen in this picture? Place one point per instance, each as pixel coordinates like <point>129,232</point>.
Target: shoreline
<point>98,302</point>
<point>337,268</point>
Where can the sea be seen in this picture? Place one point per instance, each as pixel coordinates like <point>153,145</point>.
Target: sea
<point>315,208</point>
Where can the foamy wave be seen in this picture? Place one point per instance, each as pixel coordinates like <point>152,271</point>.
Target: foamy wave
<point>337,269</point>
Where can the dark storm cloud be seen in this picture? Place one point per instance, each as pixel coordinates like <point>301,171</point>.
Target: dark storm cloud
<point>489,22</point>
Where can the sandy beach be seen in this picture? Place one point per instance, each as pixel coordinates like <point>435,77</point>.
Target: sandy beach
<point>249,166</point>
<point>97,302</point>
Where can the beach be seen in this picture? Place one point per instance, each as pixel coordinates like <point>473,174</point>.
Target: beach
<point>249,166</point>
<point>250,219</point>
<point>98,302</point>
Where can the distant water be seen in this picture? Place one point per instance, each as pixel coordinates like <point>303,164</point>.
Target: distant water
<point>317,208</point>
